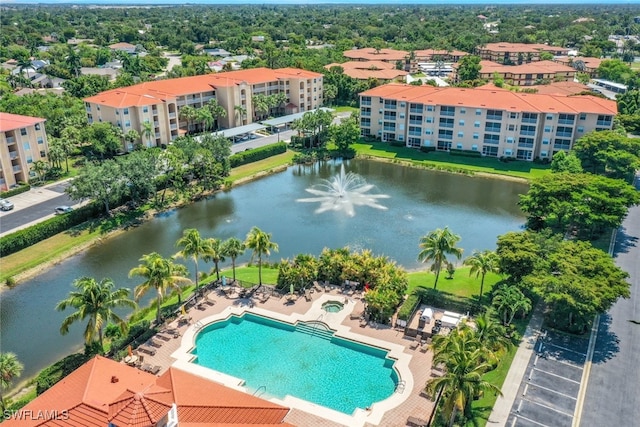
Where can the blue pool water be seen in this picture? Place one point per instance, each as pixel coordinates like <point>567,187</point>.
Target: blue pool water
<point>300,361</point>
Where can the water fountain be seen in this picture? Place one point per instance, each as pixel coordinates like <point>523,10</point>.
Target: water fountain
<point>343,192</point>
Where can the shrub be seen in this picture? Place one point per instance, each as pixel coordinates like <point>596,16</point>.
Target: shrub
<point>22,188</point>
<point>256,154</point>
<point>397,144</point>
<point>465,153</point>
<point>409,306</point>
<point>427,149</point>
<point>10,282</point>
<point>54,373</point>
<point>138,333</point>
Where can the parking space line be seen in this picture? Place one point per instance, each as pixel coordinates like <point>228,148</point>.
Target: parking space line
<point>567,349</point>
<point>555,375</point>
<point>573,365</point>
<point>552,390</point>
<point>549,407</point>
<point>527,419</point>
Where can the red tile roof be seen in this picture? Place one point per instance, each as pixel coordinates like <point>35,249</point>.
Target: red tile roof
<point>519,47</point>
<point>122,45</point>
<point>149,93</point>
<point>10,121</point>
<point>103,390</point>
<point>370,54</point>
<point>496,99</point>
<point>436,52</point>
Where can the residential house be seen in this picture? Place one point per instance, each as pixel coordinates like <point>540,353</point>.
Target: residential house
<point>123,47</point>
<point>23,141</point>
<point>111,73</point>
<point>371,54</point>
<point>103,392</point>
<point>517,53</point>
<point>159,102</point>
<point>217,52</point>
<point>582,64</point>
<point>496,123</point>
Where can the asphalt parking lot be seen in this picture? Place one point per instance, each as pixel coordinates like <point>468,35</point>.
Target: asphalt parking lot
<point>549,390</point>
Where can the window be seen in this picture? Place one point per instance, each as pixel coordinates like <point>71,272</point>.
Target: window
<point>494,115</point>
<point>145,109</point>
<point>492,127</point>
<point>365,122</point>
<point>126,111</point>
<point>525,142</point>
<point>463,111</point>
<point>117,111</point>
<point>461,122</point>
<point>429,132</point>
<point>478,112</point>
<point>403,105</point>
<point>508,152</point>
<point>564,131</point>
<point>562,144</point>
<point>37,126</point>
<point>127,123</point>
<point>511,127</point>
<point>23,131</point>
<point>491,139</point>
<point>447,111</point>
<point>413,142</point>
<point>445,134</point>
<point>476,135</point>
<point>446,123</point>
<point>529,117</point>
<point>476,124</point>
<point>583,116</point>
<point>548,128</point>
<point>510,140</point>
<point>474,147</point>
<point>549,116</point>
<point>43,154</point>
<point>26,146</point>
<point>487,150</point>
<point>528,130</point>
<point>524,155</point>
<point>545,141</point>
<point>513,115</point>
<point>429,107</point>
<point>580,128</point>
<point>444,145</point>
<point>429,119</point>
<point>460,134</point>
<point>40,140</point>
<point>98,107</point>
<point>544,153</point>
<point>566,119</point>
<point>459,146</point>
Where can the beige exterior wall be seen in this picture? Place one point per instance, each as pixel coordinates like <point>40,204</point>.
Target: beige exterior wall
<point>19,149</point>
<point>496,133</point>
<point>165,116</point>
<point>527,79</point>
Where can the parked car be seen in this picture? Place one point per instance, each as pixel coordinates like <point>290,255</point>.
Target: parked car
<point>61,210</point>
<point>6,205</point>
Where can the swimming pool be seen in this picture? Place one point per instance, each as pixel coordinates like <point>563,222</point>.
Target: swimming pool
<point>305,361</point>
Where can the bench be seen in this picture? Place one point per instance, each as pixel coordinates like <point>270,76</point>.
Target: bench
<point>146,349</point>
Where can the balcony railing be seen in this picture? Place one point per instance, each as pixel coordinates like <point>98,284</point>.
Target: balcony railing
<point>525,144</point>
<point>389,117</point>
<point>446,125</point>
<point>415,133</point>
<point>562,146</point>
<point>528,132</point>
<point>415,122</point>
<point>390,128</point>
<point>173,126</point>
<point>416,110</point>
<point>491,141</point>
<point>493,117</point>
<point>172,116</point>
<point>365,102</point>
<point>564,134</point>
<point>566,121</point>
<point>17,168</point>
<point>447,113</point>
<point>365,114</point>
<point>390,106</point>
<point>529,120</point>
<point>603,123</point>
<point>11,139</point>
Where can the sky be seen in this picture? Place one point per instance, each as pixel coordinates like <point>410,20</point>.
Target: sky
<point>227,2</point>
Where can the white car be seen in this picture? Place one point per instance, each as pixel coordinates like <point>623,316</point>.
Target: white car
<point>6,205</point>
<point>61,210</point>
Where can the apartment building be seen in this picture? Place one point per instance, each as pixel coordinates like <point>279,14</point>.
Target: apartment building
<point>153,108</point>
<point>23,141</point>
<point>492,121</point>
<point>525,74</point>
<point>517,53</point>
<point>364,70</point>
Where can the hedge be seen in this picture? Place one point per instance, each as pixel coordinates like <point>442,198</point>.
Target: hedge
<point>23,188</point>
<point>409,306</point>
<point>427,149</point>
<point>255,154</point>
<point>138,333</point>
<point>397,144</point>
<point>465,153</point>
<point>48,377</point>
<point>26,237</point>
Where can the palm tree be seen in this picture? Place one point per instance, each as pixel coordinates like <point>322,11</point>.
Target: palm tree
<point>260,243</point>
<point>233,248</point>
<point>217,111</point>
<point>194,247</point>
<point>241,112</point>
<point>10,368</point>
<point>490,333</point>
<point>95,300</point>
<point>436,246</point>
<point>482,263</point>
<point>39,167</point>
<point>187,113</point>
<point>260,105</point>
<point>147,131</point>
<point>70,138</point>
<point>204,116</point>
<point>216,255</point>
<point>159,274</point>
<point>462,381</point>
<point>508,301</point>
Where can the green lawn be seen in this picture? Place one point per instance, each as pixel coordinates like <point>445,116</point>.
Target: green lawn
<point>250,274</point>
<point>445,161</point>
<point>462,285</point>
<point>345,109</point>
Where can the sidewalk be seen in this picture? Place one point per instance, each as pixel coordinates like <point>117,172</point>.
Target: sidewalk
<point>503,405</point>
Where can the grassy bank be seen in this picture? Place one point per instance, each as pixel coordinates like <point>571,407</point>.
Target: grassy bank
<point>448,162</point>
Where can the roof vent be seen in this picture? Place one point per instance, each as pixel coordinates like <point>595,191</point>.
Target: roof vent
<point>114,379</point>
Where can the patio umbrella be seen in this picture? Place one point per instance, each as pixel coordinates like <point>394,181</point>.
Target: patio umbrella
<point>291,288</point>
<point>184,311</point>
<point>129,351</point>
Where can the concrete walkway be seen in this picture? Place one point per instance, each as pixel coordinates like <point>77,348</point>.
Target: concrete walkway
<point>503,405</point>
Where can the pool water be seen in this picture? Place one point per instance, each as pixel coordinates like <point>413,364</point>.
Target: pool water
<point>304,361</point>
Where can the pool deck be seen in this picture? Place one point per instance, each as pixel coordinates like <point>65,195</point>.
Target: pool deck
<point>413,365</point>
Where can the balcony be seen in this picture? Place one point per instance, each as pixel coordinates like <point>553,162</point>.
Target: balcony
<point>208,98</point>
<point>491,141</point>
<point>493,117</point>
<point>365,102</point>
<point>447,113</point>
<point>603,123</point>
<point>173,126</point>
<point>156,124</point>
<point>389,117</point>
<point>566,121</point>
<point>416,110</point>
<point>157,134</point>
<point>11,139</point>
<point>13,155</point>
<point>365,114</point>
<point>564,134</point>
<point>415,122</point>
<point>446,125</point>
<point>17,168</point>
<point>529,120</point>
<point>390,107</point>
<point>528,132</point>
<point>415,133</point>
<point>525,144</point>
<point>389,128</point>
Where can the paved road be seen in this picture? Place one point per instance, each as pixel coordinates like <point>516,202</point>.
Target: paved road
<point>612,397</point>
<point>34,205</point>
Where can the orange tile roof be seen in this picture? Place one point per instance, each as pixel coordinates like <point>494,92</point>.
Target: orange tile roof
<point>435,52</point>
<point>369,54</point>
<point>530,68</point>
<point>519,47</point>
<point>122,45</point>
<point>364,70</point>
<point>103,390</point>
<point>560,88</point>
<point>491,98</point>
<point>590,62</point>
<point>155,92</point>
<point>10,121</point>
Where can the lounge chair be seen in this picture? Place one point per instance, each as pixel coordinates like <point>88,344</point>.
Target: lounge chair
<point>416,422</point>
<point>147,349</point>
<point>317,286</point>
<point>307,296</point>
<point>152,369</point>
<point>163,337</point>
<point>155,343</point>
<point>416,343</point>
<point>265,297</point>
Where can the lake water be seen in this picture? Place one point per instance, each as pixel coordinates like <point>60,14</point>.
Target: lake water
<point>478,209</point>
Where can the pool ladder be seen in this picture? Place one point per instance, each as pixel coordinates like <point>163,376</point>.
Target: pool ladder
<point>260,388</point>
<point>400,386</point>
<point>315,325</point>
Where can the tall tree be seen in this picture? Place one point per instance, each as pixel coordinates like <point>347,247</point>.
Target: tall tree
<point>482,263</point>
<point>241,113</point>
<point>435,247</point>
<point>469,68</point>
<point>100,182</point>
<point>217,111</point>
<point>96,301</point>
<point>216,255</point>
<point>261,245</point>
<point>509,301</point>
<point>160,274</point>
<point>233,248</point>
<point>10,369</point>
<point>194,247</point>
